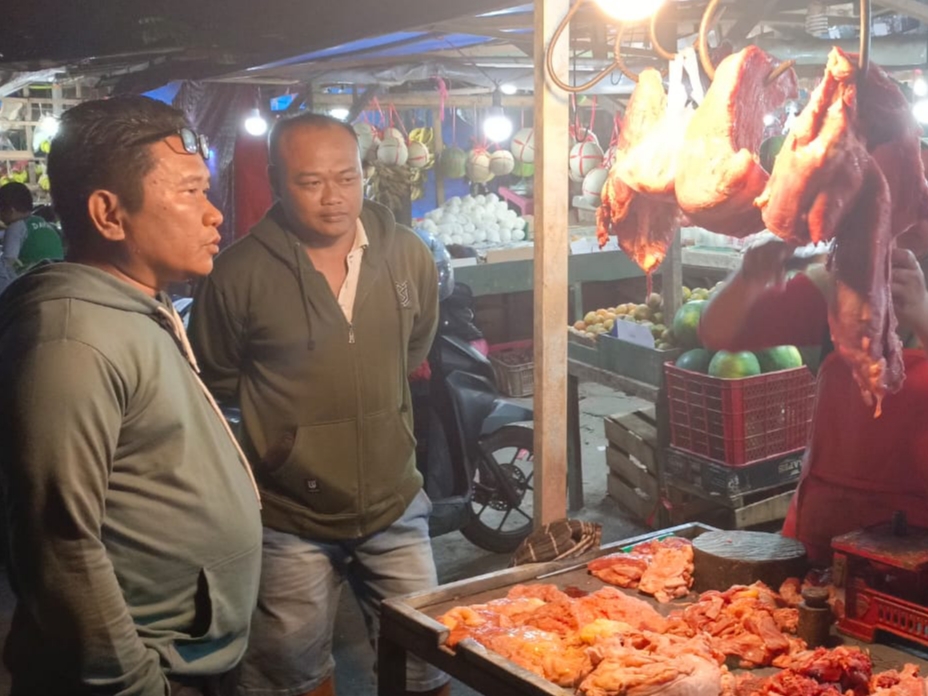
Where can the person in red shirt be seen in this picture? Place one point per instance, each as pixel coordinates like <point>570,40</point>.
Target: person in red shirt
<point>858,470</point>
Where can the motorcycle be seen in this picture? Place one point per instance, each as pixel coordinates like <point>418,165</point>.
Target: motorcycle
<point>475,447</point>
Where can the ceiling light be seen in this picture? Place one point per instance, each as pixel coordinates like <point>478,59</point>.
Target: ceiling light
<point>920,87</point>
<point>920,110</point>
<point>339,112</point>
<point>629,10</point>
<point>508,88</point>
<point>256,124</point>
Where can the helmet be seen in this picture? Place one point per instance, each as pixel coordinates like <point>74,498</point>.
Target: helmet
<point>442,262</point>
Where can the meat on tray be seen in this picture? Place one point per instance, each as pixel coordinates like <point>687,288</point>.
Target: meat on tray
<point>840,671</point>
<point>752,624</point>
<point>643,224</point>
<point>661,568</point>
<point>608,643</point>
<point>718,171</point>
<point>842,174</point>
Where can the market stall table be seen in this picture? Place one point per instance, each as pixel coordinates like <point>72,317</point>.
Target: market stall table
<point>408,626</point>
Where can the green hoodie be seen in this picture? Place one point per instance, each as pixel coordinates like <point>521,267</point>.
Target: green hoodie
<point>326,414</point>
<point>134,527</point>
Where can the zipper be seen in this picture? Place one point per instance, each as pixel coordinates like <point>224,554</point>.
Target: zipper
<point>350,332</point>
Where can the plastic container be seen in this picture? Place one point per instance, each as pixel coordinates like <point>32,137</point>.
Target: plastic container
<point>740,421</point>
<point>515,376</point>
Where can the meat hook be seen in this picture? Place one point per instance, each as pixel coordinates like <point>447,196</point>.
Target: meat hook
<point>704,58</point>
<point>549,57</point>
<point>863,63</point>
<point>779,70</point>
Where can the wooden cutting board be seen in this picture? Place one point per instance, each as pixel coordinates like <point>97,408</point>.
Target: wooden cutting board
<point>725,558</point>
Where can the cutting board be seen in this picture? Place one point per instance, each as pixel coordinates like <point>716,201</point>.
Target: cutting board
<point>725,558</point>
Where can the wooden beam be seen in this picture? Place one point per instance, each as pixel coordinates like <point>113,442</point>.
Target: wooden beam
<point>912,8</point>
<point>552,144</point>
<point>429,100</point>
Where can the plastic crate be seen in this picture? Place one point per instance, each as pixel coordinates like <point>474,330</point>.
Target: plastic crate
<point>513,379</point>
<point>740,421</point>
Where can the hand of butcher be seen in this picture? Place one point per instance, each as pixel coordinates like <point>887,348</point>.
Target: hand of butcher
<point>910,298</point>
<point>763,264</point>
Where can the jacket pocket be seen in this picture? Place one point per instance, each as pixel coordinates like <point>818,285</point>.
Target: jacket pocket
<point>321,470</point>
<point>388,448</point>
<point>226,595</point>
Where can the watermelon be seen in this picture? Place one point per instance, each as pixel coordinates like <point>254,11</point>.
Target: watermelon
<point>734,365</point>
<point>779,358</point>
<point>696,360</point>
<point>686,324</point>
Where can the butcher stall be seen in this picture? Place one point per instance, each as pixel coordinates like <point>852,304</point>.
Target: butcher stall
<point>550,629</point>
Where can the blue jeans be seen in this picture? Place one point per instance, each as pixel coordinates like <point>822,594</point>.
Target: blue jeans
<point>290,648</point>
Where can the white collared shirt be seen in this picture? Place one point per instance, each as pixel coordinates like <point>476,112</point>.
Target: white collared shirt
<point>349,289</point>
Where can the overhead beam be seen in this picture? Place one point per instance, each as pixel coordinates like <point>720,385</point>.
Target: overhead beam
<point>911,8</point>
<point>743,25</point>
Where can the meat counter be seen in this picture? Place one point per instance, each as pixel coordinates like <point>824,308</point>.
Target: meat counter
<point>409,626</point>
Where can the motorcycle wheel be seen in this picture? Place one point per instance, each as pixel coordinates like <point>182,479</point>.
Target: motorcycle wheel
<point>496,525</point>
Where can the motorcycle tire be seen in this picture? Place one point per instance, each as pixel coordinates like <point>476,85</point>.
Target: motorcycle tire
<point>488,504</point>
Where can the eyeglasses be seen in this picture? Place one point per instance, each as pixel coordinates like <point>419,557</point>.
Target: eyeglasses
<point>192,142</point>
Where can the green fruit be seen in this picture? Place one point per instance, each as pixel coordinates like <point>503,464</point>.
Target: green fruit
<point>658,330</point>
<point>654,301</point>
<point>769,149</point>
<point>779,358</point>
<point>686,324</point>
<point>696,360</point>
<point>452,163</point>
<point>734,365</point>
<point>658,317</point>
<point>524,170</point>
<point>642,313</point>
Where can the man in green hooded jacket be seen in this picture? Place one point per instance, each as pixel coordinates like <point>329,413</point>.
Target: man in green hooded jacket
<point>311,324</point>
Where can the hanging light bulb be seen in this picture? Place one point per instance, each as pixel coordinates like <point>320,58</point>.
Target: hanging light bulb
<point>629,10</point>
<point>339,112</point>
<point>497,126</point>
<point>256,124</point>
<point>508,89</point>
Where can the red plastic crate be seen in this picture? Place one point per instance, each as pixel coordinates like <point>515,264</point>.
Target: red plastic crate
<point>740,421</point>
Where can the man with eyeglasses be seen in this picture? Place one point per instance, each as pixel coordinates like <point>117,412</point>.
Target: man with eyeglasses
<point>134,523</point>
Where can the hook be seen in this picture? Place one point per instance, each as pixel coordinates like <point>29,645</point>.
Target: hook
<point>655,44</point>
<point>704,58</point>
<point>779,70</point>
<point>865,33</point>
<point>549,57</point>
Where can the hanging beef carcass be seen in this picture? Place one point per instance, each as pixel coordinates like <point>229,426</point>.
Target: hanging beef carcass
<point>718,171</point>
<point>644,225</point>
<point>830,182</point>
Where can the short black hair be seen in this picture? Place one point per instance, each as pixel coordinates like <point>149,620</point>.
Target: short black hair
<point>306,119</point>
<point>15,196</point>
<point>104,144</point>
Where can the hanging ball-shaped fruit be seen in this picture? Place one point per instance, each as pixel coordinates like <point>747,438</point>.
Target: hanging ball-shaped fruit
<point>418,155</point>
<point>393,152</point>
<point>523,145</point>
<point>478,166</point>
<point>452,163</point>
<point>502,162</point>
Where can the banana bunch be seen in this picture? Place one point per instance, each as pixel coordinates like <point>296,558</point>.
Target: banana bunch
<point>418,177</point>
<point>391,185</point>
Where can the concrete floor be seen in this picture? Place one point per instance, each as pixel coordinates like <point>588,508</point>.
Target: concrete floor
<point>455,557</point>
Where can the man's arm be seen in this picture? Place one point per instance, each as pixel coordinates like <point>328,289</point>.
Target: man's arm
<point>426,321</point>
<point>13,243</point>
<point>216,336</point>
<point>63,411</point>
<point>910,298</point>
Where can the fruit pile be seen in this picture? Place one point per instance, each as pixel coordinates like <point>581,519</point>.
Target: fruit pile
<point>741,364</point>
<point>680,333</point>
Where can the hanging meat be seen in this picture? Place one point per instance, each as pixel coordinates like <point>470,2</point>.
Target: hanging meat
<point>830,182</point>
<point>644,225</point>
<point>718,170</point>
<point>649,166</point>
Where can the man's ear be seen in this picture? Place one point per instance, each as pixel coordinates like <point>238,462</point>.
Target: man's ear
<point>272,173</point>
<point>107,214</point>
